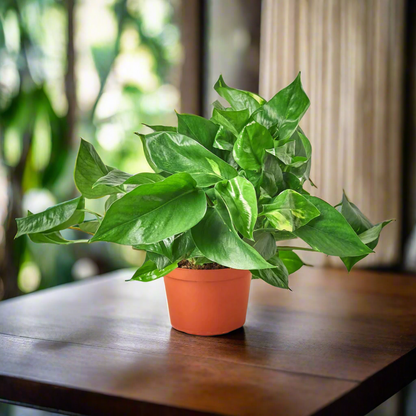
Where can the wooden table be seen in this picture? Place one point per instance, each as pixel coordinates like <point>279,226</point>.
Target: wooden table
<point>339,344</point>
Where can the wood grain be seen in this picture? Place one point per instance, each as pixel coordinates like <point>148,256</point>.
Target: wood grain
<point>351,56</point>
<point>338,344</point>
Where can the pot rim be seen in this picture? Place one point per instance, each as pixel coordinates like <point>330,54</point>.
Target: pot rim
<point>216,275</point>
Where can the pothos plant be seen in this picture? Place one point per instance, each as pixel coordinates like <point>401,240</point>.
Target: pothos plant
<point>227,190</point>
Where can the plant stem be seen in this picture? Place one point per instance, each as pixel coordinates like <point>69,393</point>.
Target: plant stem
<point>92,212</point>
<point>210,203</point>
<point>290,248</point>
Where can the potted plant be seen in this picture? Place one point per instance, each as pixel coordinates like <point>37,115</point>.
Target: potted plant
<point>223,194</point>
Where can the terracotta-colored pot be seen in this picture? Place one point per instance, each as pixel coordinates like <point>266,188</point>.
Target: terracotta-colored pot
<point>207,302</point>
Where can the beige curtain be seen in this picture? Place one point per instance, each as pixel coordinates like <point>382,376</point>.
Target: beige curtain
<point>350,53</point>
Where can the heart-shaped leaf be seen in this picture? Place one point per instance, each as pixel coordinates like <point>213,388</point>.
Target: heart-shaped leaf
<point>217,240</point>
<point>240,199</point>
<point>285,109</point>
<point>234,121</point>
<point>55,218</point>
<point>173,152</point>
<point>277,276</point>
<point>250,147</point>
<point>238,99</point>
<point>149,272</point>
<point>198,128</point>
<point>289,211</point>
<point>89,168</point>
<point>153,212</point>
<point>330,233</point>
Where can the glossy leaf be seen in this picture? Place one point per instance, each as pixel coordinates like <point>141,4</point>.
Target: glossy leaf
<point>143,178</point>
<point>113,178</point>
<point>285,109</point>
<point>175,152</point>
<point>174,248</point>
<point>358,221</point>
<point>369,237</point>
<point>290,211</point>
<point>292,182</point>
<point>372,234</point>
<point>284,150</point>
<point>330,233</point>
<point>224,139</point>
<point>55,218</point>
<point>240,199</point>
<point>89,227</point>
<point>277,276</point>
<point>54,237</point>
<point>111,199</point>
<point>161,128</point>
<point>234,121</point>
<point>264,243</point>
<point>159,260</point>
<point>217,240</point>
<point>238,99</point>
<point>291,260</point>
<point>272,176</point>
<point>250,147</point>
<point>198,128</point>
<point>149,272</point>
<point>89,168</point>
<point>153,212</point>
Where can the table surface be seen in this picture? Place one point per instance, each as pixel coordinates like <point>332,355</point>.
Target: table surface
<point>338,344</point>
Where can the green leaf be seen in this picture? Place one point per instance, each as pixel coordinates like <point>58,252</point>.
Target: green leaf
<point>358,221</point>
<point>292,182</point>
<point>89,227</point>
<point>240,199</point>
<point>218,241</point>
<point>272,176</point>
<point>330,233</point>
<point>111,199</point>
<point>159,260</point>
<point>224,139</point>
<point>153,212</point>
<point>250,147</point>
<point>290,211</point>
<point>174,248</point>
<point>291,260</point>
<point>55,218</point>
<point>161,128</point>
<point>234,121</point>
<point>217,104</point>
<point>173,152</point>
<point>294,151</point>
<point>54,237</point>
<point>372,234</point>
<point>284,150</point>
<point>277,276</point>
<point>256,178</point>
<point>264,243</point>
<point>370,238</point>
<point>143,178</point>
<point>285,109</point>
<point>238,99</point>
<point>198,128</point>
<point>113,178</point>
<point>88,169</point>
<point>149,272</point>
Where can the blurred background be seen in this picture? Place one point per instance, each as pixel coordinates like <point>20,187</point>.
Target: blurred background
<point>97,69</point>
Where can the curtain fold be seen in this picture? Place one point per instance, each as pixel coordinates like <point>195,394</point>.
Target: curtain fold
<point>350,53</point>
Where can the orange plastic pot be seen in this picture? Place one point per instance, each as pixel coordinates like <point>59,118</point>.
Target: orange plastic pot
<point>207,302</point>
